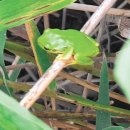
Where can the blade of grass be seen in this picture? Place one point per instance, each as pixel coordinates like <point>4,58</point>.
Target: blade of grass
<point>41,57</point>
<point>88,103</point>
<point>103,119</point>
<point>5,88</point>
<point>20,50</point>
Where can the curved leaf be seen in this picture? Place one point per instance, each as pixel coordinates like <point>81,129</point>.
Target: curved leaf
<point>17,12</point>
<point>122,69</point>
<point>41,57</point>
<point>76,99</point>
<point>4,88</point>
<point>15,117</point>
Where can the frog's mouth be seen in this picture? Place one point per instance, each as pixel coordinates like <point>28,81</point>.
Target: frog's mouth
<point>53,51</point>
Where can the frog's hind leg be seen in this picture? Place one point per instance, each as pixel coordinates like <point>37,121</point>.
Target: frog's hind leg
<point>82,60</point>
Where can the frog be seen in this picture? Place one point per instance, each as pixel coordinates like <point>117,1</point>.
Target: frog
<point>81,46</point>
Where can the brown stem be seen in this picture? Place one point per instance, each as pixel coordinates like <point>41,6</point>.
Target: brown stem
<point>42,83</point>
<point>92,8</point>
<point>97,16</point>
<point>82,116</point>
<point>65,125</point>
<point>92,86</point>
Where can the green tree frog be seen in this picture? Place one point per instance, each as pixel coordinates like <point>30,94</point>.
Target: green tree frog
<point>83,47</point>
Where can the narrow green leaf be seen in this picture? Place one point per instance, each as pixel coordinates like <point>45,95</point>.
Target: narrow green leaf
<point>88,103</point>
<point>122,69</point>
<point>103,119</point>
<point>41,57</point>
<point>125,125</point>
<point>20,50</point>
<point>2,45</point>
<point>2,64</point>
<point>17,12</point>
<point>15,117</point>
<point>114,128</point>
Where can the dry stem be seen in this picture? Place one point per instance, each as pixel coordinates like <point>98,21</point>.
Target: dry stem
<point>42,84</point>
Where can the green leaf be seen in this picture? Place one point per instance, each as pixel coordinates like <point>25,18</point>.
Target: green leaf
<point>2,45</point>
<point>15,117</point>
<point>20,50</point>
<point>17,12</point>
<point>76,99</point>
<point>40,55</point>
<point>125,125</point>
<point>114,128</point>
<point>122,69</point>
<point>103,119</point>
<point>2,64</point>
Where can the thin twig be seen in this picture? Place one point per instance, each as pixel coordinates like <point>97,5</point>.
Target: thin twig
<point>64,19</point>
<point>14,63</point>
<point>41,86</point>
<point>92,8</point>
<point>93,87</point>
<point>85,92</point>
<point>46,21</point>
<point>97,16</point>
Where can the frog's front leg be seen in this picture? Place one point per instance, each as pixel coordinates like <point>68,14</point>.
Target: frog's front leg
<point>83,60</point>
<point>66,55</point>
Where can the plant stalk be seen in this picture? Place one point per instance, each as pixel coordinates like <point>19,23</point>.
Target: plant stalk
<point>97,16</point>
<point>42,83</point>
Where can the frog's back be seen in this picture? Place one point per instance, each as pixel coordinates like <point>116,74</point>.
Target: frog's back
<point>82,43</point>
<point>57,39</point>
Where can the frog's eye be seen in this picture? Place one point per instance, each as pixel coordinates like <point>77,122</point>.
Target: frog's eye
<point>46,49</point>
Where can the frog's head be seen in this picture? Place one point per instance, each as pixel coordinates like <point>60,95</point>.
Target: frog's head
<point>52,41</point>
